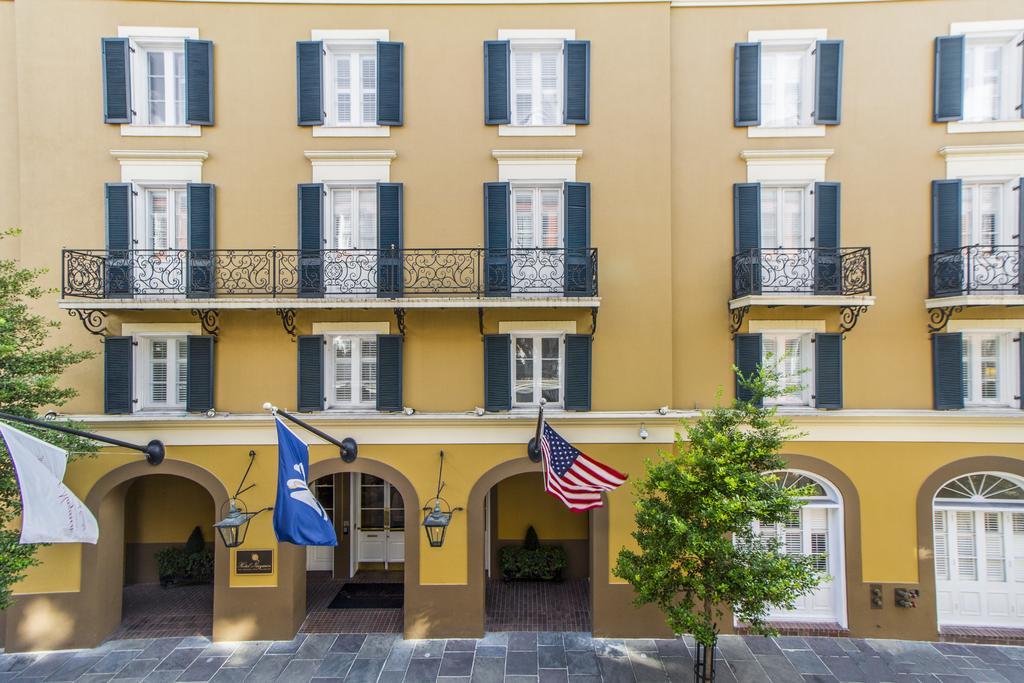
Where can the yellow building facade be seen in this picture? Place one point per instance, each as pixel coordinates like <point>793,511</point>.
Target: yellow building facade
<point>409,222</point>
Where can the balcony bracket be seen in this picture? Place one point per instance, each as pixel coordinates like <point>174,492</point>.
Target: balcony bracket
<point>940,316</point>
<point>480,317</point>
<point>593,321</point>
<point>287,316</point>
<point>736,316</point>
<point>400,319</point>
<point>209,318</point>
<point>848,317</point>
<point>95,322</point>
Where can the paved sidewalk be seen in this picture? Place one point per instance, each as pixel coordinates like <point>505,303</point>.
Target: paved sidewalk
<point>518,658</point>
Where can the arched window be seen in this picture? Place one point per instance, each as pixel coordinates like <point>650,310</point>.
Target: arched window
<point>822,491</point>
<point>983,488</point>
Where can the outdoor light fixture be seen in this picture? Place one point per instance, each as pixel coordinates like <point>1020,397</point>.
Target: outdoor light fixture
<point>409,411</point>
<point>211,413</point>
<point>437,519</point>
<point>235,524</point>
<point>663,410</point>
<point>478,411</point>
<point>643,431</point>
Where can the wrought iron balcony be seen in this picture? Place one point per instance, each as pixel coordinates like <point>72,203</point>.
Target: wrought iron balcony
<point>977,269</point>
<point>844,271</point>
<point>390,273</point>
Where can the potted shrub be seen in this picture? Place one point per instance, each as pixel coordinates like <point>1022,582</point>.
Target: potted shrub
<point>188,564</point>
<point>532,561</point>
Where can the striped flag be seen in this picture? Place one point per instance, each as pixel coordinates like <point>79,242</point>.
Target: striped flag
<point>571,476</point>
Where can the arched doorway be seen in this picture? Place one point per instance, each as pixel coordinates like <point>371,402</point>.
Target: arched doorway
<point>362,585</point>
<point>978,536</point>
<point>817,529</point>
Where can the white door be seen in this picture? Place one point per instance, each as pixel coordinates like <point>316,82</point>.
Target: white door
<point>979,567</point>
<point>787,264</point>
<point>538,253</point>
<point>321,557</point>
<point>989,224</point>
<point>381,525</point>
<point>350,264</point>
<point>161,241</point>
<point>811,531</point>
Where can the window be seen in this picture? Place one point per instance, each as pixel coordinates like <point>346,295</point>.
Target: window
<point>988,213</point>
<point>164,372</point>
<point>351,83</point>
<point>352,369</point>
<point>992,76</point>
<point>353,217</point>
<point>790,353</point>
<point>158,67</point>
<point>988,368</point>
<point>166,219</point>
<point>537,369</point>
<point>787,84</point>
<point>536,83</point>
<point>537,217</point>
<point>783,211</point>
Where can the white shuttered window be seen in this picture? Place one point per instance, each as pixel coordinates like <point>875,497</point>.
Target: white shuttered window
<point>352,371</point>
<point>351,84</point>
<point>537,369</point>
<point>787,84</point>
<point>990,369</point>
<point>790,353</point>
<point>992,76</point>
<point>536,84</point>
<point>164,368</point>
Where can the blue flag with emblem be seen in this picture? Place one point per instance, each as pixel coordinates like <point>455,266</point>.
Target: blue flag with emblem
<point>299,517</point>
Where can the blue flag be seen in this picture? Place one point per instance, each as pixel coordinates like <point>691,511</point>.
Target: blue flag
<point>299,517</point>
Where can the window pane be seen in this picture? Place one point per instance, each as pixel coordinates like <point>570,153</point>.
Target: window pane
<point>157,89</point>
<point>159,219</point>
<point>372,519</point>
<point>158,371</point>
<point>368,74</point>
<point>179,89</point>
<point>523,207</point>
<point>769,217</point>
<point>180,220</point>
<point>522,87</point>
<point>967,214</point>
<point>343,370</point>
<point>343,222</point>
<point>991,205</point>
<point>781,87</point>
<point>368,370</point>
<point>793,218</point>
<point>343,88</point>
<point>367,218</point>
<point>551,105</point>
<point>551,217</point>
<point>989,371</point>
<point>524,370</point>
<point>373,496</point>
<point>983,82</point>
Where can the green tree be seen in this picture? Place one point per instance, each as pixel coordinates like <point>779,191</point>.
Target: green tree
<point>695,510</point>
<point>30,369</point>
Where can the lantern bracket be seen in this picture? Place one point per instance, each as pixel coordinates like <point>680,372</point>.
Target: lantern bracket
<point>438,512</point>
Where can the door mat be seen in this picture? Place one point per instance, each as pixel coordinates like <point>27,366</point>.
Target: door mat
<point>369,596</point>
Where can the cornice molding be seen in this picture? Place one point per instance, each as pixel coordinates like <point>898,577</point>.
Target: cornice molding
<point>164,155</point>
<point>774,155</point>
<point>958,151</point>
<point>534,154</point>
<point>351,155</point>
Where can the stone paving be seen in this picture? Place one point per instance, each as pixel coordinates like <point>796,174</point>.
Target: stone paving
<point>519,657</point>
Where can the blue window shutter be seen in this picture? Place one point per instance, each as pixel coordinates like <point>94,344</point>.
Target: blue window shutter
<point>578,276</point>
<point>827,278</point>
<point>199,371</point>
<point>311,372</point>
<point>117,210</point>
<point>199,82</point>
<point>497,108</point>
<point>950,63</point>
<point>497,372</point>
<point>748,358</point>
<point>201,229</point>
<point>828,370</point>
<point>309,58</point>
<point>946,214</point>
<point>117,375</point>
<point>576,103</point>
<point>389,372</point>
<point>578,363</point>
<point>746,216</point>
<point>948,370</point>
<point>117,81</point>
<point>497,257</point>
<point>311,239</point>
<point>389,240</point>
<point>747,84</point>
<point>390,110</point>
<point>828,82</point>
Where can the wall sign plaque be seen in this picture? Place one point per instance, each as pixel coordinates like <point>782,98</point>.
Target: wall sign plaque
<point>254,562</point>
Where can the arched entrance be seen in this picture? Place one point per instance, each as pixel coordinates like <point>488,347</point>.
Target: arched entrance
<point>978,536</point>
<point>364,583</point>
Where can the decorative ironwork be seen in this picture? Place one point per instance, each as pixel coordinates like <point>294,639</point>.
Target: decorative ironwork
<point>977,269</point>
<point>400,319</point>
<point>386,273</point>
<point>848,317</point>
<point>95,322</point>
<point>845,271</point>
<point>736,316</point>
<point>287,316</point>
<point>940,316</point>
<point>209,318</point>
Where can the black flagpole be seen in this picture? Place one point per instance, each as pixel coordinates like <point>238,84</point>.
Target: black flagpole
<point>154,450</point>
<point>348,446</point>
<point>533,447</point>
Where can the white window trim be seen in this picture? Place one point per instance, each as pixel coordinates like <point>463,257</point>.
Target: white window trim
<point>984,161</point>
<point>338,38</point>
<point>537,165</point>
<point>534,36</point>
<point>138,166</point>
<point>1010,203</point>
<point>784,166</point>
<point>813,130</point>
<point>972,27</point>
<point>329,374</point>
<point>351,166</point>
<point>352,328</point>
<point>807,208</point>
<point>812,326</point>
<point>142,364</point>
<point>807,378</point>
<point>1009,373</point>
<point>158,34</point>
<point>558,334</point>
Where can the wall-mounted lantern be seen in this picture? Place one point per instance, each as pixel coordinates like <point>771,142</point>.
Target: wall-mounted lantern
<point>438,515</point>
<point>234,525</point>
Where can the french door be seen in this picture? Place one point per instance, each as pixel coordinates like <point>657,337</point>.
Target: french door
<point>538,253</point>
<point>161,241</point>
<point>321,557</point>
<point>988,223</point>
<point>787,263</point>
<point>350,265</point>
<point>979,567</point>
<point>380,528</point>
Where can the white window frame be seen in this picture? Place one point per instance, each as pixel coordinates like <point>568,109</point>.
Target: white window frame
<point>143,400</point>
<point>995,30</point>
<point>356,403</point>
<point>799,39</point>
<point>536,187</point>
<point>538,39</point>
<point>537,336</point>
<point>329,216</point>
<point>1009,373</point>
<point>140,209</point>
<point>143,39</point>
<point>806,207</point>
<point>803,398</point>
<point>336,42</point>
<point>1007,211</point>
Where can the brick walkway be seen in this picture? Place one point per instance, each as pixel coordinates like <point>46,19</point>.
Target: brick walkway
<point>321,589</point>
<point>519,658</point>
<point>538,606</point>
<point>149,611</point>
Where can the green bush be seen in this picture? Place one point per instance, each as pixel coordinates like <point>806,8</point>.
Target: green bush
<point>532,561</point>
<point>188,564</point>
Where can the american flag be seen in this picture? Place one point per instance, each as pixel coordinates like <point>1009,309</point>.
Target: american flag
<point>571,476</point>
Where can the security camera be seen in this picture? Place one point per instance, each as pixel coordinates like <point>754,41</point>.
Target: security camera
<point>643,432</point>
<point>408,411</point>
<point>663,410</point>
<point>478,411</point>
<point>211,413</point>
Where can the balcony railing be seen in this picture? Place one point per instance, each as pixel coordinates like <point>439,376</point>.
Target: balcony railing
<point>976,269</point>
<point>845,271</point>
<point>388,273</point>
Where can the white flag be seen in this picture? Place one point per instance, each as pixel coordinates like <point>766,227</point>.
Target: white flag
<point>50,512</point>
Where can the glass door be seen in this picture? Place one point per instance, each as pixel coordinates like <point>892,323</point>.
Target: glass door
<point>350,264</point>
<point>787,262</point>
<point>381,525</point>
<point>321,557</point>
<point>161,242</point>
<point>538,253</point>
